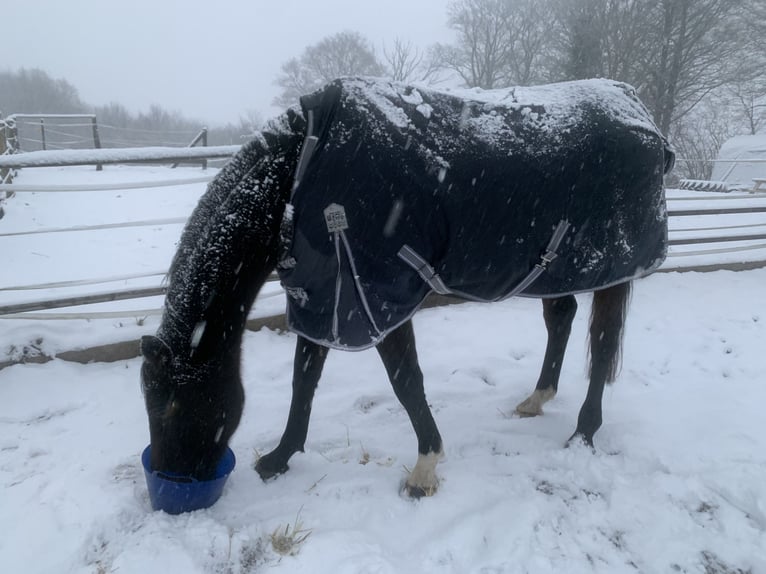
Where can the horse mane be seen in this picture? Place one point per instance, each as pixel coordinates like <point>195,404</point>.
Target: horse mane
<point>229,245</point>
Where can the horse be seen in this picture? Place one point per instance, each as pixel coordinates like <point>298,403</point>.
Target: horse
<point>369,196</point>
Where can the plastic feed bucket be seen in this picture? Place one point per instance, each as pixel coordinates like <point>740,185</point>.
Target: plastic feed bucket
<point>176,493</point>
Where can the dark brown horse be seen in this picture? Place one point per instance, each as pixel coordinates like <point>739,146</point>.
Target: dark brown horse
<point>564,184</point>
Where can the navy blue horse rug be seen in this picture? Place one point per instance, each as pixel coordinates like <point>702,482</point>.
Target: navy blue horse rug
<point>401,191</point>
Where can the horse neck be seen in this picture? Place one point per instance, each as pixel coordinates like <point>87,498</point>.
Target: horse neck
<point>226,253</point>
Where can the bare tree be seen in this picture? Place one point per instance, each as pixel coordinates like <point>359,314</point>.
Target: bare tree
<point>482,51</point>
<point>756,28</point>
<point>404,60</point>
<point>601,38</point>
<point>699,46</point>
<point>675,52</point>
<point>250,121</point>
<point>532,41</point>
<point>408,63</point>
<point>750,103</point>
<point>343,54</point>
<point>499,42</point>
<point>581,39</point>
<point>699,135</point>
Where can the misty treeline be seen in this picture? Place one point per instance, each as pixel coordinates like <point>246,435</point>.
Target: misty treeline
<point>699,65</point>
<point>33,91</point>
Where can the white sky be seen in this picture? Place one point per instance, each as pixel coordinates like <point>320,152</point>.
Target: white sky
<point>211,61</point>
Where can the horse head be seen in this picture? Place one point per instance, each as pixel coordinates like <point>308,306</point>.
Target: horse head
<point>194,407</point>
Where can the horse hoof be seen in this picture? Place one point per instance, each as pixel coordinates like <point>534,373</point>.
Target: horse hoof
<point>529,408</point>
<point>418,492</point>
<point>268,471</point>
<point>579,439</point>
<point>532,406</point>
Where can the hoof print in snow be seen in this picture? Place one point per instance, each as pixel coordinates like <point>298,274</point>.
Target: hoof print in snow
<point>545,487</point>
<point>714,565</point>
<point>366,404</point>
<point>125,471</point>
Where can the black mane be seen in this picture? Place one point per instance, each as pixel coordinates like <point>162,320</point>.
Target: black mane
<point>228,247</point>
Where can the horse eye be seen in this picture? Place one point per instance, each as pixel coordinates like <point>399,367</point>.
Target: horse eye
<point>172,409</point>
<point>147,383</point>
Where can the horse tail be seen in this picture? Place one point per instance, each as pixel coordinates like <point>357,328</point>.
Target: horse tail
<point>607,329</point>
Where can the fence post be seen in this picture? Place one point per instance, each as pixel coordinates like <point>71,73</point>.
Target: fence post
<point>6,147</point>
<point>12,139</point>
<point>200,137</point>
<point>96,140</point>
<point>42,132</point>
<point>5,173</point>
<point>204,143</point>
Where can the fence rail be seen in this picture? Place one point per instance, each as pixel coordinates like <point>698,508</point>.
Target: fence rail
<point>103,156</point>
<point>30,132</point>
<point>26,188</point>
<point>714,235</point>
<point>729,238</point>
<point>721,174</point>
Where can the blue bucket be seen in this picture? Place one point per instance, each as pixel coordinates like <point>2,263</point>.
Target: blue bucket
<point>176,493</point>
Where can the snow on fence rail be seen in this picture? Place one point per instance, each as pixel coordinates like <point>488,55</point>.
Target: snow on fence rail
<point>707,232</point>
<point>706,240</point>
<point>716,231</point>
<point>104,156</point>
<point>30,188</point>
<point>742,230</point>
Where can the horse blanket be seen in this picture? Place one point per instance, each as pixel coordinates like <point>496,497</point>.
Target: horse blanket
<point>402,190</point>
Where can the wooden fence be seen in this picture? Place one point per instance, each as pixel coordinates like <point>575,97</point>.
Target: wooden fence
<point>84,148</point>
<point>688,245</point>
<point>73,157</point>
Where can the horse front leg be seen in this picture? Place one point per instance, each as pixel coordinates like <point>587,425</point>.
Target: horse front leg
<point>400,359</point>
<point>307,368</point>
<point>558,313</point>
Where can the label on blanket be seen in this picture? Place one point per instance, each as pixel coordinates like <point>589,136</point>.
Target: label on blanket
<point>335,216</point>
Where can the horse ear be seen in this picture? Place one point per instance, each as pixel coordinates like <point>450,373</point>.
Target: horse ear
<point>155,350</point>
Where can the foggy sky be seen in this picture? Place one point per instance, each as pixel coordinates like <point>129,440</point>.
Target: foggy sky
<point>211,61</point>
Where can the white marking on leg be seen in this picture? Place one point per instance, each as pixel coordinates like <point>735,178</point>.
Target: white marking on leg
<point>532,406</point>
<point>423,476</point>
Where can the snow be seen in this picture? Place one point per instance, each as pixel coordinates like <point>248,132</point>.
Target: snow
<point>562,103</point>
<point>741,173</point>
<point>676,483</point>
<point>112,155</point>
<point>677,475</point>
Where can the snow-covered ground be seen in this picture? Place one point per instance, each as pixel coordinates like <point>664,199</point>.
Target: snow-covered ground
<point>677,482</point>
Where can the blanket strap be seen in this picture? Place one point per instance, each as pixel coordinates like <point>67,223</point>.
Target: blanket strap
<point>307,150</point>
<point>545,259</point>
<point>429,275</point>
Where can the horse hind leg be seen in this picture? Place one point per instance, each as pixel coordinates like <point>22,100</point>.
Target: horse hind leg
<point>607,327</point>
<point>400,359</point>
<point>558,313</point>
<point>307,368</point>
